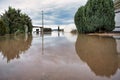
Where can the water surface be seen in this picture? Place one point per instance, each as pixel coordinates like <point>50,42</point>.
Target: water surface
<point>59,56</point>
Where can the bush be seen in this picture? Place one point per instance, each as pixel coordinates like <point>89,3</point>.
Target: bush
<point>95,16</point>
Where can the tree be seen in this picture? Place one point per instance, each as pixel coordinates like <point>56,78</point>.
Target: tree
<point>15,21</point>
<point>2,28</point>
<point>95,16</point>
<point>25,20</point>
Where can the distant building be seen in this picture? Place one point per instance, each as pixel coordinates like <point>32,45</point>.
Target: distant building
<point>117,4</point>
<point>37,29</point>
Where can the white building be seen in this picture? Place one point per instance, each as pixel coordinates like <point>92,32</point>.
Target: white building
<point>117,15</point>
<point>36,29</point>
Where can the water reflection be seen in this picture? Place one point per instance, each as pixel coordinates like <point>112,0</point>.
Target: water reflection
<point>100,53</point>
<point>12,46</point>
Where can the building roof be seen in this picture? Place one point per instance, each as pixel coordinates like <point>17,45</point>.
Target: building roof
<point>117,4</point>
<point>37,27</point>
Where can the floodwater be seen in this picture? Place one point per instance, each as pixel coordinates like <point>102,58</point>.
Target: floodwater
<point>59,56</point>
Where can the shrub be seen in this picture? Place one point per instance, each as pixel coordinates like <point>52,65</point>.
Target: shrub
<point>95,16</point>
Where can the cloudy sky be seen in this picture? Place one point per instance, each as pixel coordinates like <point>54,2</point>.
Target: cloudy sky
<point>56,12</point>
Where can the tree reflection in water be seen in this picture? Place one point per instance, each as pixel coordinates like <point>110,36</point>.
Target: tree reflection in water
<point>12,46</point>
<point>99,53</point>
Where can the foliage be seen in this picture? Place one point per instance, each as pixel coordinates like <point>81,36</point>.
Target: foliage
<point>15,21</point>
<point>95,16</point>
<point>74,31</point>
<point>2,28</point>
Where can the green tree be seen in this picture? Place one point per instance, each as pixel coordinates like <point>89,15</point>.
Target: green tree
<point>15,21</point>
<point>2,28</point>
<point>95,16</point>
<point>25,20</point>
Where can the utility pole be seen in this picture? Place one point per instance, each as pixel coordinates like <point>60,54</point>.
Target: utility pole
<point>42,23</point>
<point>42,33</point>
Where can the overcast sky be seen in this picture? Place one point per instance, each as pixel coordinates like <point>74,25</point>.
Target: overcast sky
<point>56,12</point>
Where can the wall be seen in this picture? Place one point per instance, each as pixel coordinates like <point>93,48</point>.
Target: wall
<point>117,19</point>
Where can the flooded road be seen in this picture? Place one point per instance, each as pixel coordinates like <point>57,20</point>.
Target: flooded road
<point>59,56</point>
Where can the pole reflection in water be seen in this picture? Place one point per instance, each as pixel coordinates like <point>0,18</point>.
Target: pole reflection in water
<point>58,33</point>
<point>99,53</point>
<point>42,43</point>
<point>12,46</point>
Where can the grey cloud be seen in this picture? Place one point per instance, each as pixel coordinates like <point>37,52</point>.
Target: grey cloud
<point>55,12</point>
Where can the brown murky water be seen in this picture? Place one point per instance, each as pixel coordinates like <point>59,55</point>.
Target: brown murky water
<point>59,56</point>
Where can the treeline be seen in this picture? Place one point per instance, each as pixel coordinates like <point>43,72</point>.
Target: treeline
<point>95,16</point>
<point>13,21</point>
